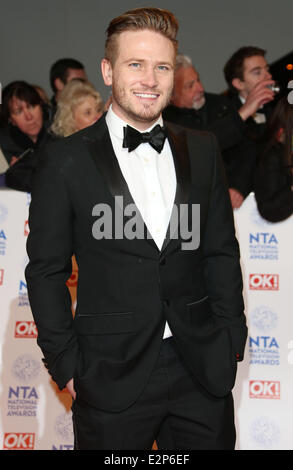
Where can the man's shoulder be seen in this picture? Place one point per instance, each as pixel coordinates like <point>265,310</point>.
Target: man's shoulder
<point>197,147</point>
<point>196,135</point>
<point>222,100</point>
<point>233,99</point>
<point>5,137</point>
<point>72,147</point>
<point>8,146</point>
<point>89,133</point>
<point>172,110</point>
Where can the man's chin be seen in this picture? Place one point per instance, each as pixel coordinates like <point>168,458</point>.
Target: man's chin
<point>146,115</point>
<point>143,113</point>
<point>199,103</point>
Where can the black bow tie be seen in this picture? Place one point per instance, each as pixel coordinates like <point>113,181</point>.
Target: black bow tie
<point>156,138</point>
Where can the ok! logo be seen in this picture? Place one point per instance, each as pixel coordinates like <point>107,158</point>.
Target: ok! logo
<point>264,281</point>
<point>264,389</point>
<point>19,441</point>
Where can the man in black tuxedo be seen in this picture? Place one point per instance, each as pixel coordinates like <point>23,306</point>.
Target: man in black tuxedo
<point>159,324</point>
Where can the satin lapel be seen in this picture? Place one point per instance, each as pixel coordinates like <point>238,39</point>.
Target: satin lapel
<point>103,155</point>
<point>102,152</point>
<point>180,153</point>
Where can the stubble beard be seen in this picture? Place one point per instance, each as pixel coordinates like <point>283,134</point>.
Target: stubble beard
<point>145,113</point>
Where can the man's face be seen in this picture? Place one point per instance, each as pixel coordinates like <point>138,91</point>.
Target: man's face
<point>75,73</point>
<point>255,70</point>
<point>188,90</point>
<point>71,74</point>
<point>141,77</point>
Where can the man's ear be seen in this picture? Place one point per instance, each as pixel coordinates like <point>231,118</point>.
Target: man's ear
<point>238,84</point>
<point>107,71</point>
<point>59,85</point>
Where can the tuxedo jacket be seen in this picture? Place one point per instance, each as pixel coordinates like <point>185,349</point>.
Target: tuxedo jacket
<point>128,288</point>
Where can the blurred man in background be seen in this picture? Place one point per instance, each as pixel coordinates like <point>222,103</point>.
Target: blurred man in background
<point>62,72</point>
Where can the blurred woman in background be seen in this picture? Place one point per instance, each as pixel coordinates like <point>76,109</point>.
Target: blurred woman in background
<point>274,176</point>
<point>24,132</point>
<point>79,106</point>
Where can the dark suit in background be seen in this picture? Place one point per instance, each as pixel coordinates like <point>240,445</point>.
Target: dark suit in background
<point>218,115</point>
<point>238,140</point>
<point>15,143</point>
<point>240,160</point>
<point>273,183</point>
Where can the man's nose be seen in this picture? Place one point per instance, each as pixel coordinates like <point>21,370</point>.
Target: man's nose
<point>201,88</point>
<point>150,78</point>
<point>268,75</point>
<point>198,88</point>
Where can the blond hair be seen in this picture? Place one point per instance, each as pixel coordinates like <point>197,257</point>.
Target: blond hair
<point>154,19</point>
<point>71,96</point>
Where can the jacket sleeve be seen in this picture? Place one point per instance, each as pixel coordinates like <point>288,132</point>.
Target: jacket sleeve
<point>50,248</point>
<point>229,130</point>
<point>222,260</point>
<point>20,175</point>
<point>272,186</point>
<point>240,163</point>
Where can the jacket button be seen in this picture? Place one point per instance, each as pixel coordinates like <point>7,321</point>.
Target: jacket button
<point>166,302</point>
<point>163,262</point>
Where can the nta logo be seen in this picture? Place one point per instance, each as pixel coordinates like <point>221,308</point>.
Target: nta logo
<point>263,238</point>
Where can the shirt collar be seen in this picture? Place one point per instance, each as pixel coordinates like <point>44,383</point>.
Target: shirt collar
<point>242,99</point>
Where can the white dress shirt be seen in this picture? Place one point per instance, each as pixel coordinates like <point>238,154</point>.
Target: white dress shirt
<point>151,180</point>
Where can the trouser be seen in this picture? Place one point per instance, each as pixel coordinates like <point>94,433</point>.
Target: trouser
<point>173,410</point>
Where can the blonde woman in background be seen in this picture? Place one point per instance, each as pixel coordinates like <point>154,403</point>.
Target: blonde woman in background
<point>79,106</point>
